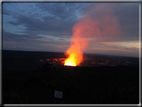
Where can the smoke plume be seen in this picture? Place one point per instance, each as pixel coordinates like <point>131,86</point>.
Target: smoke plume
<point>98,21</point>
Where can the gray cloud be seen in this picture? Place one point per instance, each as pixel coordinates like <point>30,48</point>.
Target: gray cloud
<point>8,36</point>
<point>48,26</point>
<point>31,39</point>
<point>58,19</point>
<point>63,11</point>
<point>61,17</point>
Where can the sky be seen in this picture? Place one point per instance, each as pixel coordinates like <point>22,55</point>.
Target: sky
<point>49,27</point>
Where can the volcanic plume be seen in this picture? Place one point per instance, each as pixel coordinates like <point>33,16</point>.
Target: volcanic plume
<point>97,22</point>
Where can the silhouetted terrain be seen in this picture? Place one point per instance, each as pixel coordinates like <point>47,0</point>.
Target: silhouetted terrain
<point>28,61</point>
<point>80,85</point>
<point>25,60</point>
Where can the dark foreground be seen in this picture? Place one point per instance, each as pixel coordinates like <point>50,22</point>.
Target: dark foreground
<point>27,79</point>
<point>84,85</point>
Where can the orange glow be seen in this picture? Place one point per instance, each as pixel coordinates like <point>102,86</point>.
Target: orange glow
<point>100,25</point>
<point>75,56</point>
<point>70,61</point>
<point>78,44</point>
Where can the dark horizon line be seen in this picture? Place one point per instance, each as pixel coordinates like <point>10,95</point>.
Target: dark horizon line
<point>64,52</point>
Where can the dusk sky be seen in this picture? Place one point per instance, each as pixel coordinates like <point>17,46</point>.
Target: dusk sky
<point>49,27</point>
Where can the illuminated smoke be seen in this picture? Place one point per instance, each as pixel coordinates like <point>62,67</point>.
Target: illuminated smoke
<point>97,22</point>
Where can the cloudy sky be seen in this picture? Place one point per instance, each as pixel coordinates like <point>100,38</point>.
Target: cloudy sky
<point>49,27</point>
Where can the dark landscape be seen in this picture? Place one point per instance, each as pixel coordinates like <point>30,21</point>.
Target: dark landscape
<point>32,78</point>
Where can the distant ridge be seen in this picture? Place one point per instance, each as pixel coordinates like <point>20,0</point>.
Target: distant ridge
<point>88,54</point>
<point>30,51</point>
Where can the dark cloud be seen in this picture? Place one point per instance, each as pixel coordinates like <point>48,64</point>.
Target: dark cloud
<point>8,36</point>
<point>59,20</point>
<point>49,26</point>
<point>61,17</point>
<point>63,11</point>
<point>31,39</point>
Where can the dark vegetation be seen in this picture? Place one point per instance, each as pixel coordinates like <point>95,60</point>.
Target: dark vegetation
<point>80,85</point>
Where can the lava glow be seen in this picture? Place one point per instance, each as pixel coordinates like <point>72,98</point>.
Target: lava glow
<point>104,25</point>
<point>70,62</point>
<point>74,53</point>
